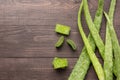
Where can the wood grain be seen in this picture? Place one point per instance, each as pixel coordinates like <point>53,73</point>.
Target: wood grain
<point>27,37</point>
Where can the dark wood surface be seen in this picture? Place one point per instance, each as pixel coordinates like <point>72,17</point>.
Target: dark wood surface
<point>27,37</point>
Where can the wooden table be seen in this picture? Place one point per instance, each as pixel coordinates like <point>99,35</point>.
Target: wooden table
<point>27,37</point>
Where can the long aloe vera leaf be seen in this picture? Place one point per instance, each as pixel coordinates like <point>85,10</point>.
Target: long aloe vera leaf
<point>116,46</point>
<point>81,67</point>
<point>108,69</point>
<point>93,30</point>
<point>96,64</point>
<point>108,56</point>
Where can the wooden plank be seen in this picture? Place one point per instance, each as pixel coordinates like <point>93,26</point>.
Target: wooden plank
<point>35,41</point>
<point>16,12</point>
<point>36,69</point>
<point>32,69</point>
